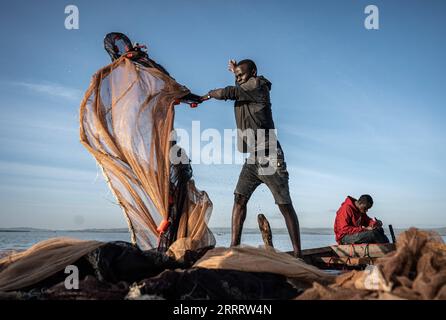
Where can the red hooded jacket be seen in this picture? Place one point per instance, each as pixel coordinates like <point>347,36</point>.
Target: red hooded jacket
<point>350,220</point>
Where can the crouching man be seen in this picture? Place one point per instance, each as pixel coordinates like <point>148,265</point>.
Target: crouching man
<point>354,226</point>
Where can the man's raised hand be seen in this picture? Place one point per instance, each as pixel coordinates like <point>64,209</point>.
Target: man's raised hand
<point>232,64</point>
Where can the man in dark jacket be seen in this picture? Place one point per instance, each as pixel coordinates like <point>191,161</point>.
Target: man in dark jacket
<point>256,135</point>
<point>354,226</point>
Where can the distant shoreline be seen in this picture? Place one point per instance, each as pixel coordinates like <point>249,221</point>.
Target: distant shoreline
<point>315,231</point>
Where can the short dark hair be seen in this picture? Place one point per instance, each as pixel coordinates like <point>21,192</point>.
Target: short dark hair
<point>251,64</point>
<point>366,199</point>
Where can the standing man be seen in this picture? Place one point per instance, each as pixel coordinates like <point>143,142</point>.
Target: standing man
<point>256,135</point>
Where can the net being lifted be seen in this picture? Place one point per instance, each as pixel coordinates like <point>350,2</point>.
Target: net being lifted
<point>126,120</point>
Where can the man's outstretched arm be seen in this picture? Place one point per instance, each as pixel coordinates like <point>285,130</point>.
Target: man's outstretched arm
<point>191,97</point>
<point>246,92</point>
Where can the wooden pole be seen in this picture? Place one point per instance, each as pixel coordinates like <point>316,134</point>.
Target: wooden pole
<point>265,229</point>
<point>392,234</point>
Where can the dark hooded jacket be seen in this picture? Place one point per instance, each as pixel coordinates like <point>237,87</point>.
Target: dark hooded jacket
<point>252,110</point>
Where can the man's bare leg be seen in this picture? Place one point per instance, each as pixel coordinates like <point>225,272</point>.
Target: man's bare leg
<point>292,224</point>
<point>238,218</point>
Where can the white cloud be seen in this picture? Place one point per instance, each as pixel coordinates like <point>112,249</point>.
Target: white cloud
<point>52,89</point>
<point>47,172</point>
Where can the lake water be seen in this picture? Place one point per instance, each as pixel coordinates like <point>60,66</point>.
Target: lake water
<point>23,240</point>
<point>281,241</point>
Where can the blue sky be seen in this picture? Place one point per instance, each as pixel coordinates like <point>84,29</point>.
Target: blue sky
<point>357,111</point>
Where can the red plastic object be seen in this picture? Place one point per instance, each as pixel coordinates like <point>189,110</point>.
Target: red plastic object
<point>163,226</point>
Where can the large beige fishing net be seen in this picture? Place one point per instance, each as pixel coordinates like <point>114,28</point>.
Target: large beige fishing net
<point>249,259</point>
<point>45,258</point>
<point>126,120</point>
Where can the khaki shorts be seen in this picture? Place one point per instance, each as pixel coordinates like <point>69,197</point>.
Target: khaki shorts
<point>274,175</point>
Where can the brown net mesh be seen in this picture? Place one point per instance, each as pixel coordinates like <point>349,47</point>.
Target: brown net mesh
<point>251,259</point>
<point>416,270</point>
<point>126,120</point>
<point>45,258</point>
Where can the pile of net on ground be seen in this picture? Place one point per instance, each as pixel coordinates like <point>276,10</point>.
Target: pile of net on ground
<point>416,270</point>
<point>120,270</point>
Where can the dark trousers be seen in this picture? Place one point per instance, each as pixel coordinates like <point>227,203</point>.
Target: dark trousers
<point>369,236</point>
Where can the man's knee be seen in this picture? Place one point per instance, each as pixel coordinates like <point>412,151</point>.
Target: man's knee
<point>240,200</point>
<point>380,236</point>
<point>378,232</point>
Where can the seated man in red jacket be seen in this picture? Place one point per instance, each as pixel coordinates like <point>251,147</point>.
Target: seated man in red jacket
<point>353,225</point>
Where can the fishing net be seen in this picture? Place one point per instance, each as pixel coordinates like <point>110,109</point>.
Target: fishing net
<point>249,259</point>
<point>45,258</point>
<point>126,123</point>
<point>416,270</point>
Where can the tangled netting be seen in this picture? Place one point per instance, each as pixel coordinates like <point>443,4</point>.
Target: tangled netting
<point>23,269</point>
<point>416,270</point>
<point>126,121</point>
